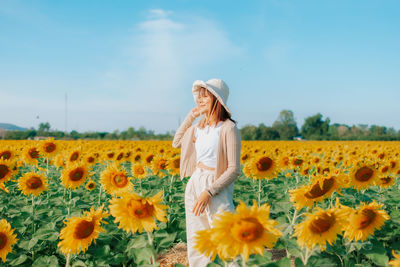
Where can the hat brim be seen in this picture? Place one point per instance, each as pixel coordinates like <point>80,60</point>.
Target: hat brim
<point>196,88</point>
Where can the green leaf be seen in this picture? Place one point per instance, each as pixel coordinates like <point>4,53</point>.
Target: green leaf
<point>143,255</point>
<point>79,263</point>
<point>32,243</point>
<point>46,234</point>
<point>46,261</point>
<point>285,262</point>
<point>18,261</point>
<point>137,242</point>
<point>376,253</point>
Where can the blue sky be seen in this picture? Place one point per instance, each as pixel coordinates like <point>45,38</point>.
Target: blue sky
<point>132,63</point>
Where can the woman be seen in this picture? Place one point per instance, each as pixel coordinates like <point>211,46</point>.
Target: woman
<point>210,155</point>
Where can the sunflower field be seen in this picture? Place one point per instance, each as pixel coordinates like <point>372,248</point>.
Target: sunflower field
<point>121,203</point>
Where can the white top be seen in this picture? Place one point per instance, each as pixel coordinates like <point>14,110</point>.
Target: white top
<point>206,144</point>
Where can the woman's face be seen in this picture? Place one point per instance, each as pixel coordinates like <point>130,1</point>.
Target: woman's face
<point>204,102</point>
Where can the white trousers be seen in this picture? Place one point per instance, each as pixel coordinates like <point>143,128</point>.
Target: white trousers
<point>200,179</point>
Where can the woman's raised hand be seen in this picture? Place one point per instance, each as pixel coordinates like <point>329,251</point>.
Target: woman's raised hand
<point>196,111</point>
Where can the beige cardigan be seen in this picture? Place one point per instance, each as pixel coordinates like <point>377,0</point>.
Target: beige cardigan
<point>228,152</point>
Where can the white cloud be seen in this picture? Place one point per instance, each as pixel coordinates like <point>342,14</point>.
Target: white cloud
<point>162,57</point>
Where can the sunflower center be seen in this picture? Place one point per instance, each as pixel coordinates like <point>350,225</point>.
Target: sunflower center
<point>120,156</point>
<point>245,156</point>
<point>285,161</point>
<point>5,155</point>
<point>247,230</point>
<point>392,164</point>
<point>176,163</point>
<point>84,229</point>
<point>140,170</point>
<point>364,174</point>
<point>316,191</point>
<point>297,162</point>
<point>90,159</point>
<point>137,157</point>
<point>33,153</point>
<point>110,155</point>
<point>4,170</point>
<point>322,223</point>
<point>91,185</point>
<point>3,240</point>
<point>162,165</point>
<point>385,169</point>
<point>74,156</point>
<point>34,182</point>
<point>149,158</point>
<point>368,216</point>
<point>120,180</point>
<point>76,174</point>
<point>264,164</point>
<point>140,210</point>
<point>386,180</point>
<point>49,147</point>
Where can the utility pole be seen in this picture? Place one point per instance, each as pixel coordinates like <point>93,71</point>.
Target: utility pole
<point>66,110</point>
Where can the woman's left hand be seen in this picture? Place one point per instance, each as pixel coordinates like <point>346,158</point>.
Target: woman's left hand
<point>201,203</point>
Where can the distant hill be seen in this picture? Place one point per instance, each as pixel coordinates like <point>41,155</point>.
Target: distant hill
<point>11,127</point>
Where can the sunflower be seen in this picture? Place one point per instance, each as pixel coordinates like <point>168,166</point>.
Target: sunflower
<point>245,232</point>
<point>244,157</point>
<point>262,167</point>
<point>148,158</point>
<point>396,261</point>
<point>135,213</point>
<point>139,171</point>
<point>386,181</point>
<point>74,175</point>
<point>7,170</point>
<point>74,156</point>
<point>90,158</point>
<point>137,157</point>
<point>49,148</point>
<point>174,165</point>
<point>7,153</point>
<point>7,239</point>
<point>120,156</point>
<point>296,162</point>
<point>30,155</point>
<point>363,174</point>
<point>59,161</point>
<point>363,221</point>
<point>32,183</point>
<point>318,190</point>
<point>114,180</point>
<point>160,166</point>
<point>320,227</point>
<point>91,185</point>
<point>79,232</point>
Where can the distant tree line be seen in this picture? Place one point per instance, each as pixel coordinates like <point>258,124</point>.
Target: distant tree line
<point>284,128</point>
<point>45,131</point>
<point>316,128</point>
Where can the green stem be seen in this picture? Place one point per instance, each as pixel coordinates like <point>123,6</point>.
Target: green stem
<point>33,214</point>
<point>47,166</point>
<point>150,238</point>
<point>100,190</point>
<point>67,260</point>
<point>294,217</point>
<point>69,202</point>
<point>243,261</point>
<point>306,256</point>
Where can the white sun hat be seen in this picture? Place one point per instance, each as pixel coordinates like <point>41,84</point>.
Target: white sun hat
<point>217,87</point>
